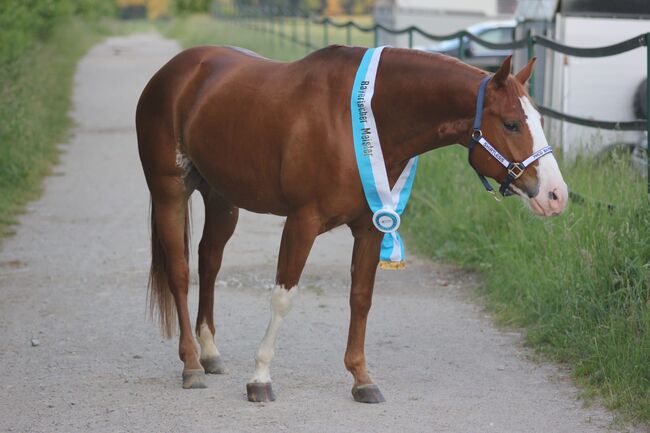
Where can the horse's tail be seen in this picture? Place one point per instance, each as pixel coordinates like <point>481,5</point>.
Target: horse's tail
<point>159,294</point>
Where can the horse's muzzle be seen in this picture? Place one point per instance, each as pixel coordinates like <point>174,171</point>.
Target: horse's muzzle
<point>550,201</point>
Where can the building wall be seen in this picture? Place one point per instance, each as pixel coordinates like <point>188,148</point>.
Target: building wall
<point>431,21</point>
<point>485,7</point>
<point>597,88</point>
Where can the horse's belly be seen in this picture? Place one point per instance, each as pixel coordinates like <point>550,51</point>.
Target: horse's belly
<point>247,180</point>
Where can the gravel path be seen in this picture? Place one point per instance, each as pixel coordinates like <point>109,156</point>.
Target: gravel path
<point>78,354</point>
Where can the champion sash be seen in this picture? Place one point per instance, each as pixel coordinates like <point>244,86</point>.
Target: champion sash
<point>387,205</point>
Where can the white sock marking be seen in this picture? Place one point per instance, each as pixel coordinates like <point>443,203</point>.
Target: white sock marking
<point>281,302</point>
<point>206,340</point>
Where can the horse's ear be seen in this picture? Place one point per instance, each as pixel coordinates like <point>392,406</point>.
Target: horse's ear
<point>501,75</point>
<point>524,75</point>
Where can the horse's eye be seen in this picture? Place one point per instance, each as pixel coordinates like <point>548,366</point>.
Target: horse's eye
<point>511,126</point>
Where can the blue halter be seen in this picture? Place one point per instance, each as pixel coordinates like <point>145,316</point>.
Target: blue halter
<point>515,169</point>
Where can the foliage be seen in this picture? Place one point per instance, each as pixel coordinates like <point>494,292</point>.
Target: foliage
<point>40,42</point>
<point>202,29</point>
<point>25,22</point>
<point>191,6</point>
<point>328,7</point>
<point>137,9</point>
<point>579,283</point>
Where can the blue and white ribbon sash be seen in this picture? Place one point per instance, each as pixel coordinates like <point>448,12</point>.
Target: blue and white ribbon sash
<point>387,205</point>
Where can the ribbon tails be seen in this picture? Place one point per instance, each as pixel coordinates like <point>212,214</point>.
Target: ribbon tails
<point>387,205</point>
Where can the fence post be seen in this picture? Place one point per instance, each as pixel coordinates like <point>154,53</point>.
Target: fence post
<point>530,38</point>
<point>326,31</point>
<point>461,47</point>
<point>348,33</point>
<point>307,35</point>
<point>272,23</point>
<point>281,26</point>
<point>411,37</point>
<point>647,46</point>
<point>294,26</point>
<point>376,35</point>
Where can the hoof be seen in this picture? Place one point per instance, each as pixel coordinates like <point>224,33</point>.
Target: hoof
<point>193,379</point>
<point>213,365</point>
<point>259,392</point>
<point>367,394</point>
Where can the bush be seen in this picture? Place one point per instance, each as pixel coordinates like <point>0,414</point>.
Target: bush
<point>191,6</point>
<point>40,43</point>
<point>24,22</point>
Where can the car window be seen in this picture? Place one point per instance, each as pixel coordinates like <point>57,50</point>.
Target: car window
<point>497,36</point>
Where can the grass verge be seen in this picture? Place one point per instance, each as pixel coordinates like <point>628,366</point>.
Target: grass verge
<point>36,93</point>
<point>579,284</point>
<point>254,35</point>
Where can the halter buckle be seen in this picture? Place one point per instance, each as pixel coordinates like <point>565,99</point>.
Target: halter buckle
<point>477,134</point>
<point>515,170</point>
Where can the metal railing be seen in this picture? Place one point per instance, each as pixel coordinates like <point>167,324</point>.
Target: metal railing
<point>274,21</point>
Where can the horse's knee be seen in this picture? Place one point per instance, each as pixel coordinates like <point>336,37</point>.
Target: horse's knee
<point>360,303</point>
<point>282,300</point>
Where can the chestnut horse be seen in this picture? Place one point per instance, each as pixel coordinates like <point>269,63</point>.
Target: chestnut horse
<point>273,137</point>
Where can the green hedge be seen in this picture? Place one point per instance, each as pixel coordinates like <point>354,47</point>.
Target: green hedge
<point>24,22</point>
<point>191,6</point>
<point>40,44</point>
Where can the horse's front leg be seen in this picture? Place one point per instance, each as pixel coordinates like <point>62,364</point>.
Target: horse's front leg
<point>300,230</point>
<point>365,257</point>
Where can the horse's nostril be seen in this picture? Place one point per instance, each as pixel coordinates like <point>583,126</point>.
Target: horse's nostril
<point>552,195</point>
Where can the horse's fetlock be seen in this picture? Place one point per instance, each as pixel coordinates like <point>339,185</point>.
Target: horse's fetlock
<point>353,362</point>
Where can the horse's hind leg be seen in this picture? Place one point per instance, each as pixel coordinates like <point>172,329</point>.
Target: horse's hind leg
<point>220,221</point>
<point>169,197</point>
<point>365,257</point>
<point>300,230</point>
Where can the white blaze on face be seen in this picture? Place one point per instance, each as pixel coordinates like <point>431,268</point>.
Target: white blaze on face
<point>553,193</point>
<point>281,302</point>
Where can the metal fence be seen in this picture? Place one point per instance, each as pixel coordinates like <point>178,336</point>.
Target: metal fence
<point>283,23</point>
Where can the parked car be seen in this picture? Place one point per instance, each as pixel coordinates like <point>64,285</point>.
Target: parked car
<point>499,32</point>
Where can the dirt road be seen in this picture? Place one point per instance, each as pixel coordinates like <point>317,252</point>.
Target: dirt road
<point>78,354</point>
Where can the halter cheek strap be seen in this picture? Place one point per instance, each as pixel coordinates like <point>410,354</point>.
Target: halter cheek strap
<point>514,169</point>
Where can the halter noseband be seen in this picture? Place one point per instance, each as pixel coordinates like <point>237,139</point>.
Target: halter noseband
<point>515,169</point>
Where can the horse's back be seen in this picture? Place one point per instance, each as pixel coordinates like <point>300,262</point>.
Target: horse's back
<point>245,121</point>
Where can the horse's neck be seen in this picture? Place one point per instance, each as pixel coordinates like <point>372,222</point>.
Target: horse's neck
<point>425,102</point>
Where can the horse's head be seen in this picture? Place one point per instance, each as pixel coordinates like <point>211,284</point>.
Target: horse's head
<point>512,125</point>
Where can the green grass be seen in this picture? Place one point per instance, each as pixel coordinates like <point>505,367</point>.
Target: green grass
<point>254,35</point>
<point>35,91</point>
<point>579,284</point>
